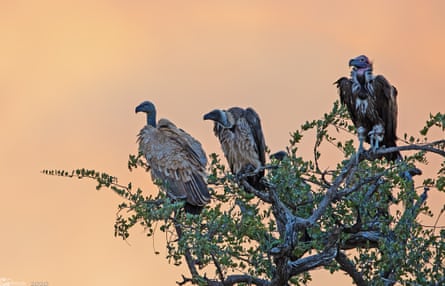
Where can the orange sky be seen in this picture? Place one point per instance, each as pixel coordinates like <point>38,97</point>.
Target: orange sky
<point>71,73</point>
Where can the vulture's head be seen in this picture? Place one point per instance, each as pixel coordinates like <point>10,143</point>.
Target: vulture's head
<point>220,117</point>
<point>360,62</point>
<point>149,109</point>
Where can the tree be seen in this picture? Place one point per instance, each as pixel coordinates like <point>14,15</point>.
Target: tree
<point>360,217</point>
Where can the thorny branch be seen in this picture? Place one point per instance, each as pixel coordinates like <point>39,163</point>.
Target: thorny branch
<point>289,225</point>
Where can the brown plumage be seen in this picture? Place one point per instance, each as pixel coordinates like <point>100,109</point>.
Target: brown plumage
<point>372,104</point>
<point>240,134</point>
<point>176,160</point>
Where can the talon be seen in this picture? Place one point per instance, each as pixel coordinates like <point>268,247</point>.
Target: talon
<point>376,136</point>
<point>374,139</point>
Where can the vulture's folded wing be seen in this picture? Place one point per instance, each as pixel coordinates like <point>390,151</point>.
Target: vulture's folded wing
<point>255,125</point>
<point>177,165</point>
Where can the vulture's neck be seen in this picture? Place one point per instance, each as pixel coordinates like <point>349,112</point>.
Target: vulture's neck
<point>151,119</point>
<point>362,78</point>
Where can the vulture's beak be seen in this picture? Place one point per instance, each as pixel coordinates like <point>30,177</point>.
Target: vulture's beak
<point>146,107</point>
<point>352,62</point>
<point>360,62</point>
<point>139,108</point>
<point>218,116</point>
<point>214,115</point>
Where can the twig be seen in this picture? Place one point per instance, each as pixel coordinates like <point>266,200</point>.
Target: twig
<point>426,147</point>
<point>437,220</point>
<point>184,281</point>
<point>218,267</point>
<point>433,226</point>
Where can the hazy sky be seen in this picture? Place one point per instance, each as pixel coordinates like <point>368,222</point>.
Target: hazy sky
<point>72,72</point>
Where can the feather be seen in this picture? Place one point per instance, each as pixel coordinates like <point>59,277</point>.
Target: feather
<point>242,141</point>
<point>177,160</point>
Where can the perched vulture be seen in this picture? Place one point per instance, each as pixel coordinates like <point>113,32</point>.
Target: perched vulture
<point>371,102</point>
<point>176,160</point>
<point>242,141</point>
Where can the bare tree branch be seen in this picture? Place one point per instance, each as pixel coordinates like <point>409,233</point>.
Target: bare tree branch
<point>324,258</point>
<point>310,262</point>
<point>367,239</point>
<point>349,268</point>
<point>372,179</point>
<point>330,194</point>
<point>263,196</point>
<point>424,147</point>
<point>235,279</point>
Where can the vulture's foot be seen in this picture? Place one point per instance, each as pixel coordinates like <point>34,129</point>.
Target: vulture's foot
<point>248,171</point>
<point>265,182</point>
<point>376,136</point>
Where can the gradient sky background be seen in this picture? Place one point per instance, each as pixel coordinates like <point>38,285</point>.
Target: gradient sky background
<point>72,72</point>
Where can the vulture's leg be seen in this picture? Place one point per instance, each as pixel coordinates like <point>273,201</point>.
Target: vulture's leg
<point>376,136</point>
<point>361,137</point>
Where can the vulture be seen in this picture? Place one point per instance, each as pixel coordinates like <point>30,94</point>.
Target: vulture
<point>242,141</point>
<point>176,160</point>
<point>372,106</point>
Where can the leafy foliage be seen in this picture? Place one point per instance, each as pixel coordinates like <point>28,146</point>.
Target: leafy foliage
<point>359,217</point>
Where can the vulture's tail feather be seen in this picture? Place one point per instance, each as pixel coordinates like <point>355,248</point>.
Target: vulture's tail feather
<point>191,209</point>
